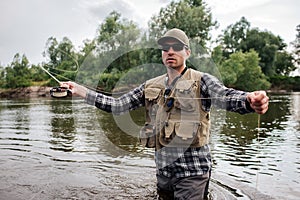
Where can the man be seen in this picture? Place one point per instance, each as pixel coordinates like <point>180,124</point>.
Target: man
<point>178,117</point>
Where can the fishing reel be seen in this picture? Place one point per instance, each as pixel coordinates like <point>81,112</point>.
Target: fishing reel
<point>60,92</point>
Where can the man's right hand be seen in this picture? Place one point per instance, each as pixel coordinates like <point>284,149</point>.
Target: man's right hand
<point>75,88</point>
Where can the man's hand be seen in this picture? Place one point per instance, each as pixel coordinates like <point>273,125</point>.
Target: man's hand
<point>75,88</point>
<point>259,101</point>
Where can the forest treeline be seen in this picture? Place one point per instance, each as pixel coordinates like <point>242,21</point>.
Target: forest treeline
<point>122,54</point>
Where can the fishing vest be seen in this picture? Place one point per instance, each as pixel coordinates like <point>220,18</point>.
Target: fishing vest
<point>174,116</point>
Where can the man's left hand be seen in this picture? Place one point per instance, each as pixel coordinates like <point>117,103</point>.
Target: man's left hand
<point>259,101</point>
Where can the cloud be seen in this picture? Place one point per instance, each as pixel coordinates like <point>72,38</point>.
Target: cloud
<point>164,1</point>
<point>276,16</point>
<point>26,26</point>
<point>138,11</point>
<point>101,9</point>
<point>229,6</point>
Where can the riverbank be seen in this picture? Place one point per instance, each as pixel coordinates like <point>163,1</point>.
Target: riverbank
<point>26,92</point>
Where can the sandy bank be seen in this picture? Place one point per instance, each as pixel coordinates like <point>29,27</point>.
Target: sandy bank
<point>27,92</point>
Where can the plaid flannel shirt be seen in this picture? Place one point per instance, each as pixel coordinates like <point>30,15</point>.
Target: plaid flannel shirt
<point>179,162</point>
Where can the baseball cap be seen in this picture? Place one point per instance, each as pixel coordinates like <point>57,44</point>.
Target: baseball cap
<point>176,34</point>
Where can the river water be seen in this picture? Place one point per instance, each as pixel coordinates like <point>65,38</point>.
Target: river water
<point>65,149</point>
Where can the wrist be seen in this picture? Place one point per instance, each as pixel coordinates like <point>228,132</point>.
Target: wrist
<point>248,106</point>
<point>81,91</point>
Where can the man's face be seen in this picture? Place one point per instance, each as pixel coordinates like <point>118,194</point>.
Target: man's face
<point>174,54</point>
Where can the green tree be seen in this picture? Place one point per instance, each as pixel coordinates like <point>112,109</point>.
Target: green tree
<point>116,36</point>
<point>116,32</point>
<point>63,61</point>
<point>233,36</point>
<point>296,45</point>
<point>217,55</point>
<point>195,19</point>
<point>111,53</point>
<point>284,63</point>
<point>242,71</point>
<point>231,68</point>
<point>18,73</point>
<point>192,16</point>
<point>107,31</point>
<point>88,48</point>
<point>37,74</point>
<point>266,45</point>
<point>51,51</point>
<point>241,37</point>
<point>2,77</point>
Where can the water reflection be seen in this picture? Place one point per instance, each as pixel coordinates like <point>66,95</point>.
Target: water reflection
<point>15,126</point>
<point>62,125</point>
<point>124,139</point>
<point>44,141</point>
<point>265,154</point>
<point>296,109</point>
<point>278,113</point>
<point>19,115</point>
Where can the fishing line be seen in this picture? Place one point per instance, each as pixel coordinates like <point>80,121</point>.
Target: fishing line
<point>120,93</point>
<point>50,74</point>
<point>258,132</point>
<point>74,71</point>
<point>57,91</point>
<point>61,76</point>
<point>63,92</point>
<point>204,98</point>
<point>64,70</point>
<point>101,91</point>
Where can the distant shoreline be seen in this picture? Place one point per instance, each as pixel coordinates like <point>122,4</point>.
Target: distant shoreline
<point>26,92</point>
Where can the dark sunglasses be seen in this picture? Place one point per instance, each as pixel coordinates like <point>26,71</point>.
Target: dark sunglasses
<point>175,47</point>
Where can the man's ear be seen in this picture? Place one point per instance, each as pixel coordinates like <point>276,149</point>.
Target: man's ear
<point>188,53</point>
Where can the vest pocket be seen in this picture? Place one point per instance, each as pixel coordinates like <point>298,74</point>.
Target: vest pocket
<point>152,94</point>
<point>147,136</point>
<point>169,129</point>
<point>180,133</point>
<point>187,130</point>
<point>185,94</point>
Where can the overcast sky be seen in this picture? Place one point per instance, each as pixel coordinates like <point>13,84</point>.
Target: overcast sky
<point>26,25</point>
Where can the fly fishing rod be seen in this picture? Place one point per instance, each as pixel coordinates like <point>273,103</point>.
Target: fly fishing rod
<point>64,91</point>
<point>50,74</point>
<point>57,92</point>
